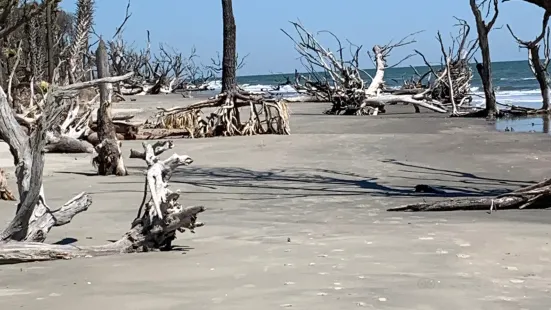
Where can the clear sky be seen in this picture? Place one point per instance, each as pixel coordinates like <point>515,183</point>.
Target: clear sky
<point>186,23</point>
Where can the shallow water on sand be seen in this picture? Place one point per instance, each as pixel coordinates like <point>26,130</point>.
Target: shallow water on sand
<point>539,124</point>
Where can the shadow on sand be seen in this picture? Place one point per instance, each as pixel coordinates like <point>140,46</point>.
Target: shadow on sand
<point>299,183</point>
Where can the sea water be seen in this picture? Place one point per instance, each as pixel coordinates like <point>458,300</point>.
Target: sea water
<point>513,81</point>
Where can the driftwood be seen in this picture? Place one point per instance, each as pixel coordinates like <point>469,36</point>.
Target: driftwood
<point>154,229</point>
<point>532,197</point>
<point>5,193</point>
<point>66,144</point>
<point>342,81</point>
<point>109,155</point>
<point>158,148</point>
<point>33,218</point>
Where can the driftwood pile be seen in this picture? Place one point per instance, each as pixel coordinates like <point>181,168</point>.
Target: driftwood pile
<point>333,78</point>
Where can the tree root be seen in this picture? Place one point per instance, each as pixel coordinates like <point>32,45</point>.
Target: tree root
<point>532,197</point>
<point>265,116</point>
<point>108,158</point>
<point>153,230</point>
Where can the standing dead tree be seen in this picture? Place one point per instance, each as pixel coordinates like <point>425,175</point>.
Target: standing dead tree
<point>454,86</point>
<point>342,82</point>
<point>485,68</point>
<point>109,155</point>
<point>265,116</point>
<point>539,67</point>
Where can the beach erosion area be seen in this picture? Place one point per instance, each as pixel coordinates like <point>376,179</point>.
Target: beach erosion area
<point>300,221</point>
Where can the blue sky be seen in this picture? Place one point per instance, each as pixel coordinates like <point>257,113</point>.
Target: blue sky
<point>186,23</point>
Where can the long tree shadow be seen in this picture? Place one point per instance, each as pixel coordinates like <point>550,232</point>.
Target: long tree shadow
<point>247,184</point>
<point>293,183</point>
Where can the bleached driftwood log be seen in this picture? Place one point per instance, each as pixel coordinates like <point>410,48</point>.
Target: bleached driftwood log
<point>109,155</point>
<point>154,229</point>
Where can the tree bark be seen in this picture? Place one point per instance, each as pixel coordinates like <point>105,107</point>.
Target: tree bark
<point>50,41</point>
<point>229,53</point>
<point>485,69</point>
<point>541,75</point>
<point>109,156</point>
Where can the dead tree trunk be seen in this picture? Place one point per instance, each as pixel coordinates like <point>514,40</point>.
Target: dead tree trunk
<point>50,41</point>
<point>109,156</point>
<point>540,71</point>
<point>265,116</point>
<point>33,218</point>
<point>230,38</point>
<point>485,68</point>
<point>539,68</point>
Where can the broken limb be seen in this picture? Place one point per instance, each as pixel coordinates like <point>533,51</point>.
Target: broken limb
<point>159,147</point>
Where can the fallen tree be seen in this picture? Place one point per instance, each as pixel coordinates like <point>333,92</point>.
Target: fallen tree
<point>532,197</point>
<point>265,116</point>
<point>341,81</point>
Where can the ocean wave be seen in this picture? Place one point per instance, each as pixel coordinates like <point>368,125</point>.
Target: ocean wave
<point>521,79</point>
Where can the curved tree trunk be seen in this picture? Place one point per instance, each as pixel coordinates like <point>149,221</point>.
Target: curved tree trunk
<point>229,53</point>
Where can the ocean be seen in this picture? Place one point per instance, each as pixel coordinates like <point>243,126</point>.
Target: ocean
<point>513,80</point>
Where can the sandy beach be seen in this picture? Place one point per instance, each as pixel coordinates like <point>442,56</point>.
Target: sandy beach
<point>299,221</point>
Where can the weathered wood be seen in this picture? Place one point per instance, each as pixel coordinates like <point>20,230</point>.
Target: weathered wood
<point>159,147</point>
<point>66,144</point>
<point>537,65</point>
<point>29,161</point>
<point>153,230</point>
<point>536,196</point>
<point>485,68</point>
<point>5,193</point>
<point>109,156</point>
<point>93,138</point>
